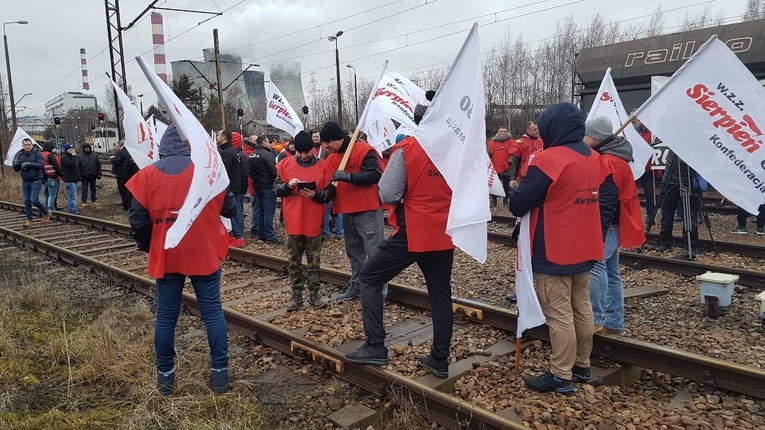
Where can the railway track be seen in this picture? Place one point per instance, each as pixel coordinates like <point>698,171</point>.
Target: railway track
<point>105,246</point>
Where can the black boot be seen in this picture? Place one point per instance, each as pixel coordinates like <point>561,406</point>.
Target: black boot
<point>374,354</point>
<point>297,301</point>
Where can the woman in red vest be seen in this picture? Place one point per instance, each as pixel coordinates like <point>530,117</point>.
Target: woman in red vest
<point>421,199</point>
<point>158,191</point>
<point>303,184</point>
<point>626,229</point>
<point>499,151</point>
<point>561,192</point>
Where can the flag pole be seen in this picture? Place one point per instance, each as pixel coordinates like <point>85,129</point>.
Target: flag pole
<point>626,123</point>
<point>518,354</point>
<point>363,118</point>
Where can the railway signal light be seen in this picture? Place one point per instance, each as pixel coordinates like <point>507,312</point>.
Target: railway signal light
<point>93,127</point>
<point>57,121</point>
<point>240,112</point>
<point>305,110</point>
<point>101,117</point>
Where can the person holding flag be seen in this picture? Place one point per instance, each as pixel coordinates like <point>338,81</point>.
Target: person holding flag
<point>357,199</point>
<point>421,198</point>
<point>499,150</point>
<point>626,224</point>
<point>561,191</point>
<point>153,211</point>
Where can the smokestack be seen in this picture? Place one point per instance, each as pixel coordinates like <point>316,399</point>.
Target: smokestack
<point>158,38</point>
<point>84,67</point>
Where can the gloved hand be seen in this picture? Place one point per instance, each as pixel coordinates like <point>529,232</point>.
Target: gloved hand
<point>342,176</point>
<point>25,165</point>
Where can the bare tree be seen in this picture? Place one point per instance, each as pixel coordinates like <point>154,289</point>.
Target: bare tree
<point>755,9</point>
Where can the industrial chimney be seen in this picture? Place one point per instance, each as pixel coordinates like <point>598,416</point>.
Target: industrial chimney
<point>158,38</point>
<point>84,67</point>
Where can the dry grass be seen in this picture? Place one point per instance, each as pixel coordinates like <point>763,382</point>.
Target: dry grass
<point>73,358</point>
<point>10,186</point>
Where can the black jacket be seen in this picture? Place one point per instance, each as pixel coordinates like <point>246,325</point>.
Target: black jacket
<point>561,124</point>
<point>370,167</point>
<point>70,168</point>
<point>123,165</point>
<point>262,165</point>
<point>90,165</point>
<point>29,164</point>
<point>232,160</point>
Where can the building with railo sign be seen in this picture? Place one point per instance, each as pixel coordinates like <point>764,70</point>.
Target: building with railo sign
<point>634,63</point>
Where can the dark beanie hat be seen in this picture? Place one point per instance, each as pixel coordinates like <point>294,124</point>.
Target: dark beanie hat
<point>331,131</point>
<point>303,142</point>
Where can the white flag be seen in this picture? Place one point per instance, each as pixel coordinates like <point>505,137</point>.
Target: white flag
<point>140,139</point>
<point>280,114</point>
<point>382,134</point>
<point>389,99</point>
<point>16,145</point>
<point>608,104</point>
<point>452,133</point>
<point>209,178</point>
<point>159,128</point>
<point>711,113</point>
<point>495,183</point>
<point>529,311</point>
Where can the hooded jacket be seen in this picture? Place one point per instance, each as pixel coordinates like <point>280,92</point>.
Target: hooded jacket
<point>90,165</point>
<point>174,159</point>
<point>233,163</point>
<point>262,168</point>
<point>560,125</point>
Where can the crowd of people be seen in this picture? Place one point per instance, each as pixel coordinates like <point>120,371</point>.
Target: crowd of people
<point>562,171</point>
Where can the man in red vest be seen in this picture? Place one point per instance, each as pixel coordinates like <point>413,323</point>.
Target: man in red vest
<point>521,152</point>
<point>421,199</point>
<point>52,175</point>
<point>626,229</point>
<point>303,183</point>
<point>158,191</point>
<point>499,152</point>
<point>561,191</point>
<point>357,199</point>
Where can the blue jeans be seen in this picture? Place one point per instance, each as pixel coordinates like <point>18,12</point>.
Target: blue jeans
<point>237,222</point>
<point>51,188</point>
<point>31,192</point>
<point>338,222</point>
<point>207,290</point>
<point>606,290</point>
<point>71,197</point>
<point>92,184</point>
<point>264,208</point>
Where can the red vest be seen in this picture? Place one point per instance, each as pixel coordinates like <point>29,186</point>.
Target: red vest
<point>426,201</point>
<point>500,154</point>
<point>523,148</point>
<point>303,216</point>
<point>204,245</point>
<point>354,198</point>
<point>631,233</point>
<point>50,171</point>
<point>572,214</point>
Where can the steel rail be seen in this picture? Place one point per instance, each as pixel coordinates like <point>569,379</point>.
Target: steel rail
<point>692,366</point>
<point>435,405</point>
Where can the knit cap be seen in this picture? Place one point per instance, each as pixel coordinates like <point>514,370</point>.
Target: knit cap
<point>599,128</point>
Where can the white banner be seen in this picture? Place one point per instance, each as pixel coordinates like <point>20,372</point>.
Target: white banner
<point>140,139</point>
<point>452,133</point>
<point>711,113</point>
<point>390,98</point>
<point>16,145</point>
<point>529,311</point>
<point>382,134</point>
<point>608,104</point>
<point>209,178</point>
<point>159,128</point>
<point>280,114</point>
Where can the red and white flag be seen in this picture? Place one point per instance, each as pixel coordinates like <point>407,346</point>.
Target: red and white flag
<point>390,98</point>
<point>382,134</point>
<point>452,133</point>
<point>530,312</point>
<point>495,183</point>
<point>16,145</point>
<point>140,138</point>
<point>280,114</point>
<point>608,104</point>
<point>711,113</point>
<point>159,128</point>
<point>209,178</point>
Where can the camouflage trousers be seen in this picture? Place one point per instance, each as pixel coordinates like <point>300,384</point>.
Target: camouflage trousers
<point>311,246</point>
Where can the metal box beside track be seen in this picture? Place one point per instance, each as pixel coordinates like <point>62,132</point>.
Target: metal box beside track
<point>720,285</point>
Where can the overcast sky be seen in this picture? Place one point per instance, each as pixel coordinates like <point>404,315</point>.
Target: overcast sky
<point>45,54</point>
